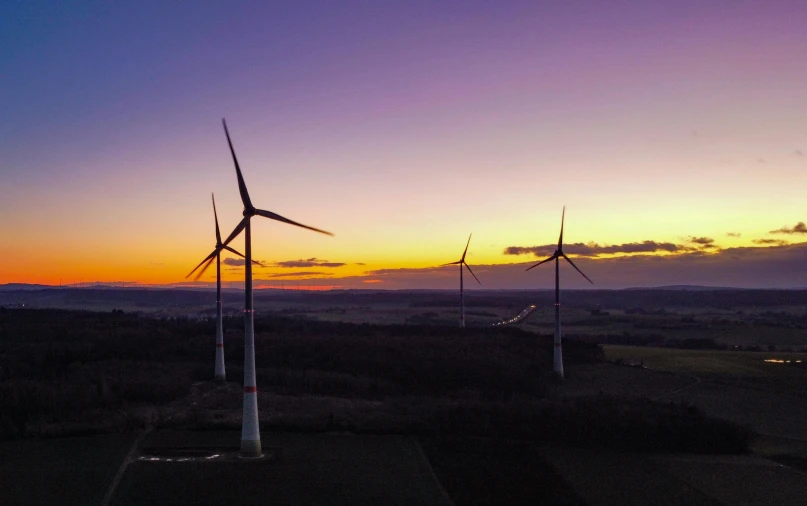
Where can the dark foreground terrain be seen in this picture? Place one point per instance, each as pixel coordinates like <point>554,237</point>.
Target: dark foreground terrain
<point>479,404</point>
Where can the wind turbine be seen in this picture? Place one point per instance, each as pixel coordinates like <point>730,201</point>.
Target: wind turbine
<point>461,262</point>
<point>216,255</point>
<point>250,431</point>
<point>557,362</point>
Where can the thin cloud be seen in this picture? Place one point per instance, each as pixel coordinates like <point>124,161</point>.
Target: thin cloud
<point>799,152</point>
<point>239,262</point>
<point>405,270</point>
<point>734,234</point>
<point>775,242</point>
<point>593,249</point>
<point>296,274</point>
<point>703,241</point>
<point>798,228</point>
<point>309,262</point>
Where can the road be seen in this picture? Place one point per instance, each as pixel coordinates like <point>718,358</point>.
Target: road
<point>517,318</point>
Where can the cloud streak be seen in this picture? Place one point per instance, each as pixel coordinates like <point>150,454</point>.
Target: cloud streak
<point>310,262</point>
<point>798,228</point>
<point>774,242</point>
<point>296,274</point>
<point>706,242</point>
<point>239,262</point>
<point>593,249</point>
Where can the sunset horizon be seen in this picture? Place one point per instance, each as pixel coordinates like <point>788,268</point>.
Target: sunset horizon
<point>678,150</point>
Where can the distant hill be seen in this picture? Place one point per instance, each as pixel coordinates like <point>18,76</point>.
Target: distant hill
<point>23,286</point>
<point>684,288</point>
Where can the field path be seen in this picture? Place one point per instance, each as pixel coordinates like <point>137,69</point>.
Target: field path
<point>110,493</point>
<point>695,382</point>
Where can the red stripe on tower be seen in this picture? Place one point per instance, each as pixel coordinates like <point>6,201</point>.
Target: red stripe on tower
<point>250,390</point>
<point>219,345</point>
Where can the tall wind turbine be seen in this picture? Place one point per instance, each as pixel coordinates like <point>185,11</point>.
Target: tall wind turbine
<point>216,255</point>
<point>557,362</point>
<point>461,262</point>
<point>250,431</point>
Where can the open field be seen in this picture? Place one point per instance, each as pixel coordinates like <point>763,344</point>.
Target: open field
<point>738,386</point>
<point>708,362</point>
<point>303,469</point>
<point>69,471</point>
<point>493,471</point>
<point>603,478</point>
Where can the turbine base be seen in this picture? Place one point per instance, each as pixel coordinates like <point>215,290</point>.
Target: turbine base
<point>220,378</point>
<point>250,449</point>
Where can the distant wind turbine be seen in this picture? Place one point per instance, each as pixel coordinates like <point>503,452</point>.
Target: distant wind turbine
<point>216,255</point>
<point>461,262</point>
<point>557,362</point>
<point>250,430</point>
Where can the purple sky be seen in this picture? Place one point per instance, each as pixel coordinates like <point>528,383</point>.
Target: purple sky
<point>402,127</point>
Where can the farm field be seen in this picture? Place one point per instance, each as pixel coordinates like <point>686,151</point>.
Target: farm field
<point>713,362</point>
<point>606,478</point>
<point>739,386</point>
<point>478,471</point>
<point>70,471</point>
<point>300,469</point>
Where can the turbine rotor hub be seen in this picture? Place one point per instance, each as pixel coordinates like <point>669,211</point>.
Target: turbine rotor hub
<point>249,211</point>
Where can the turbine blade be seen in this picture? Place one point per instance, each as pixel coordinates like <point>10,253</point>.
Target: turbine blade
<point>542,262</point>
<point>562,218</point>
<point>216,217</point>
<point>204,269</point>
<point>242,187</point>
<point>578,270</point>
<point>232,251</point>
<point>237,230</point>
<point>466,248</point>
<point>208,257</point>
<point>273,216</point>
<point>472,273</point>
<point>451,263</point>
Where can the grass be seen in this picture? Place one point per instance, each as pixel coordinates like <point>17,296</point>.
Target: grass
<point>66,471</point>
<point>737,386</point>
<point>708,362</point>
<point>479,472</point>
<point>307,469</point>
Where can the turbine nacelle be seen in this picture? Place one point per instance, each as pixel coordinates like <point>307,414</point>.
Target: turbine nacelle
<point>462,261</point>
<point>558,254</point>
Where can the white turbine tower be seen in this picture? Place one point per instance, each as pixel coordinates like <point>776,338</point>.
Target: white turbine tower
<point>461,262</point>
<point>250,430</point>
<point>219,374</point>
<point>557,362</point>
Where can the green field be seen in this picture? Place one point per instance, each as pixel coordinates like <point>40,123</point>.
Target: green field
<point>728,363</point>
<point>738,386</point>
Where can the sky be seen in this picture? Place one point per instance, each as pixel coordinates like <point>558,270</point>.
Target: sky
<point>672,131</point>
